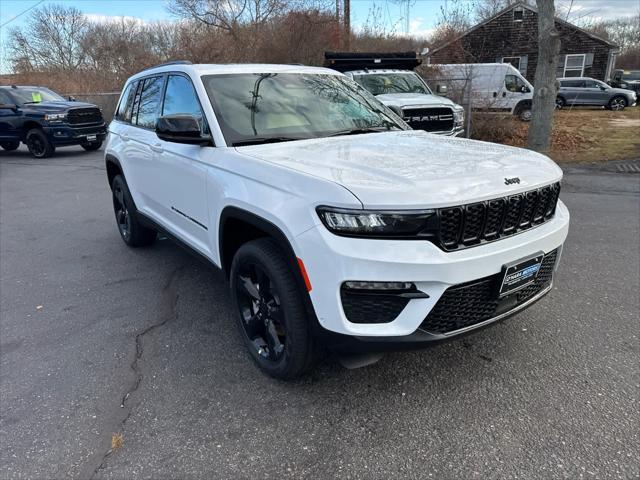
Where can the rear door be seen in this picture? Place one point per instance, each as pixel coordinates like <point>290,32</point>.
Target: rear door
<point>139,138</point>
<point>179,177</point>
<point>571,90</point>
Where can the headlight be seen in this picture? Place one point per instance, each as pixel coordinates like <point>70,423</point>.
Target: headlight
<point>458,116</point>
<point>370,223</point>
<point>55,117</point>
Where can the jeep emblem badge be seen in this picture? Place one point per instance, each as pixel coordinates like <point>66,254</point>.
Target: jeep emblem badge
<point>509,181</point>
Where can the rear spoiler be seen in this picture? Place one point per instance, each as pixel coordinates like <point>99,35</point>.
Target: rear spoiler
<point>346,61</point>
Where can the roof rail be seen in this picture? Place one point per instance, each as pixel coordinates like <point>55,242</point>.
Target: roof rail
<point>173,62</point>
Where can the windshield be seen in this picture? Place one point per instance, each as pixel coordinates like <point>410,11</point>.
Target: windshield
<point>25,95</point>
<point>634,75</point>
<point>381,83</point>
<point>262,107</point>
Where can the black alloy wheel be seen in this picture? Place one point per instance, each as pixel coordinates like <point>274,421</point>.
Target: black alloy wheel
<point>123,217</point>
<point>38,144</point>
<point>10,145</point>
<point>261,311</point>
<point>274,324</point>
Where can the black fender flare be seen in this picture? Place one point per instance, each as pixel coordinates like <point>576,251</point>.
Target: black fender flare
<point>111,162</point>
<point>274,232</point>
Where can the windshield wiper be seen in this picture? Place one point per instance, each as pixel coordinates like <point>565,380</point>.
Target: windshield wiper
<point>28,103</point>
<point>358,131</point>
<point>258,140</point>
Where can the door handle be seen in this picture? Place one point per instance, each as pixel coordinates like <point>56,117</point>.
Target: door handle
<point>157,148</point>
<point>124,137</point>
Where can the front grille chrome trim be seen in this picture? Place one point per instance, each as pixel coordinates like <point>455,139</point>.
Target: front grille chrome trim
<point>514,310</point>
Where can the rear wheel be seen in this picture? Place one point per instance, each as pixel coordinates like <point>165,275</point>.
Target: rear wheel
<point>131,230</point>
<point>272,317</point>
<point>89,147</point>
<point>10,146</point>
<point>560,103</point>
<point>617,103</point>
<point>38,144</point>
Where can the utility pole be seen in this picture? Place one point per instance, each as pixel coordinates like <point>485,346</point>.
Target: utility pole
<point>347,24</point>
<point>337,39</point>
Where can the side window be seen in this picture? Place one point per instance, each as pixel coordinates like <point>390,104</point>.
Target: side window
<point>132,103</point>
<point>592,84</point>
<point>149,102</point>
<point>180,98</point>
<point>124,103</point>
<point>513,83</point>
<point>5,98</point>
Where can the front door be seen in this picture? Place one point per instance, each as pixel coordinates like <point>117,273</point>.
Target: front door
<point>181,169</point>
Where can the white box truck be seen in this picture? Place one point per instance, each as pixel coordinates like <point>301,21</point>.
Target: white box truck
<point>493,87</point>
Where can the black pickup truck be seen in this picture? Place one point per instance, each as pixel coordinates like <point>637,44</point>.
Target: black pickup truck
<point>44,120</point>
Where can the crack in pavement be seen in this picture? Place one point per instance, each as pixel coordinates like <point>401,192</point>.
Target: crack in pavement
<point>168,303</point>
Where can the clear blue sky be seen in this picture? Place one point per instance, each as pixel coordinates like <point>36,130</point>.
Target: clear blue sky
<point>387,13</point>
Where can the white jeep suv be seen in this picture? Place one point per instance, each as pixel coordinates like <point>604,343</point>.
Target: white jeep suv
<point>336,224</point>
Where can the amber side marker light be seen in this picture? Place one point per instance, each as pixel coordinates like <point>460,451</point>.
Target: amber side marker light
<point>303,271</point>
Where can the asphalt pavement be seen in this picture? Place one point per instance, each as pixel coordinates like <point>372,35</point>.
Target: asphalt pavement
<point>98,340</point>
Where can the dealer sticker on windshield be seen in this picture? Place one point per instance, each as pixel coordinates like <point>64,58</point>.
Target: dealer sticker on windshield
<point>520,274</point>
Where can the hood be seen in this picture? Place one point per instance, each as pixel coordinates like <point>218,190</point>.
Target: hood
<point>55,107</point>
<point>414,100</point>
<point>624,91</point>
<point>412,169</point>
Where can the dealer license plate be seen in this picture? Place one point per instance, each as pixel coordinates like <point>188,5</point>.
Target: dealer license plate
<point>519,274</point>
<point>91,138</point>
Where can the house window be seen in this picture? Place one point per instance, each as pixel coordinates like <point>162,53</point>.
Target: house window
<point>574,65</point>
<point>518,15</point>
<point>515,61</point>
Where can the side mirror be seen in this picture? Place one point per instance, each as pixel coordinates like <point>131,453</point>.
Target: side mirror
<point>181,129</point>
<point>524,89</point>
<point>8,106</point>
<point>71,99</point>
<point>441,90</point>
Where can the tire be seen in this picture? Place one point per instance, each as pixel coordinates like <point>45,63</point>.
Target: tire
<point>560,103</point>
<point>10,146</point>
<point>272,318</point>
<point>38,144</point>
<point>90,147</point>
<point>617,103</point>
<point>524,113</point>
<point>132,232</point>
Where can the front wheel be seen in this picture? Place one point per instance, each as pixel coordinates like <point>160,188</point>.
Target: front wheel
<point>524,113</point>
<point>560,103</point>
<point>90,147</point>
<point>617,103</point>
<point>271,314</point>
<point>10,145</point>
<point>39,144</point>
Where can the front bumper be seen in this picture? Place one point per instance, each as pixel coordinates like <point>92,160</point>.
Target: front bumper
<point>331,260</point>
<point>67,135</point>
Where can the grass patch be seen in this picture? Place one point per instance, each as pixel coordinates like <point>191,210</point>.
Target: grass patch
<point>579,134</point>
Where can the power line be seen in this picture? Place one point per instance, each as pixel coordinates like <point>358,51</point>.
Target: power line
<point>23,12</point>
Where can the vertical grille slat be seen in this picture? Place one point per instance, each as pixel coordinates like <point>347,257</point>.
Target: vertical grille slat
<point>467,225</point>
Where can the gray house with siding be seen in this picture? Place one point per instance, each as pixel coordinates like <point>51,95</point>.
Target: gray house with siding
<point>511,36</point>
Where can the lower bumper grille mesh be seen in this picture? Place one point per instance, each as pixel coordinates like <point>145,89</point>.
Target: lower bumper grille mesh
<point>474,302</point>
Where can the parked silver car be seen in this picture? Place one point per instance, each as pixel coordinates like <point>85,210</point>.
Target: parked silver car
<point>589,91</point>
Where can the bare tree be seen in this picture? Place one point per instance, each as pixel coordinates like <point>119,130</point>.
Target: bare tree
<point>229,15</point>
<point>52,39</point>
<point>546,85</point>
